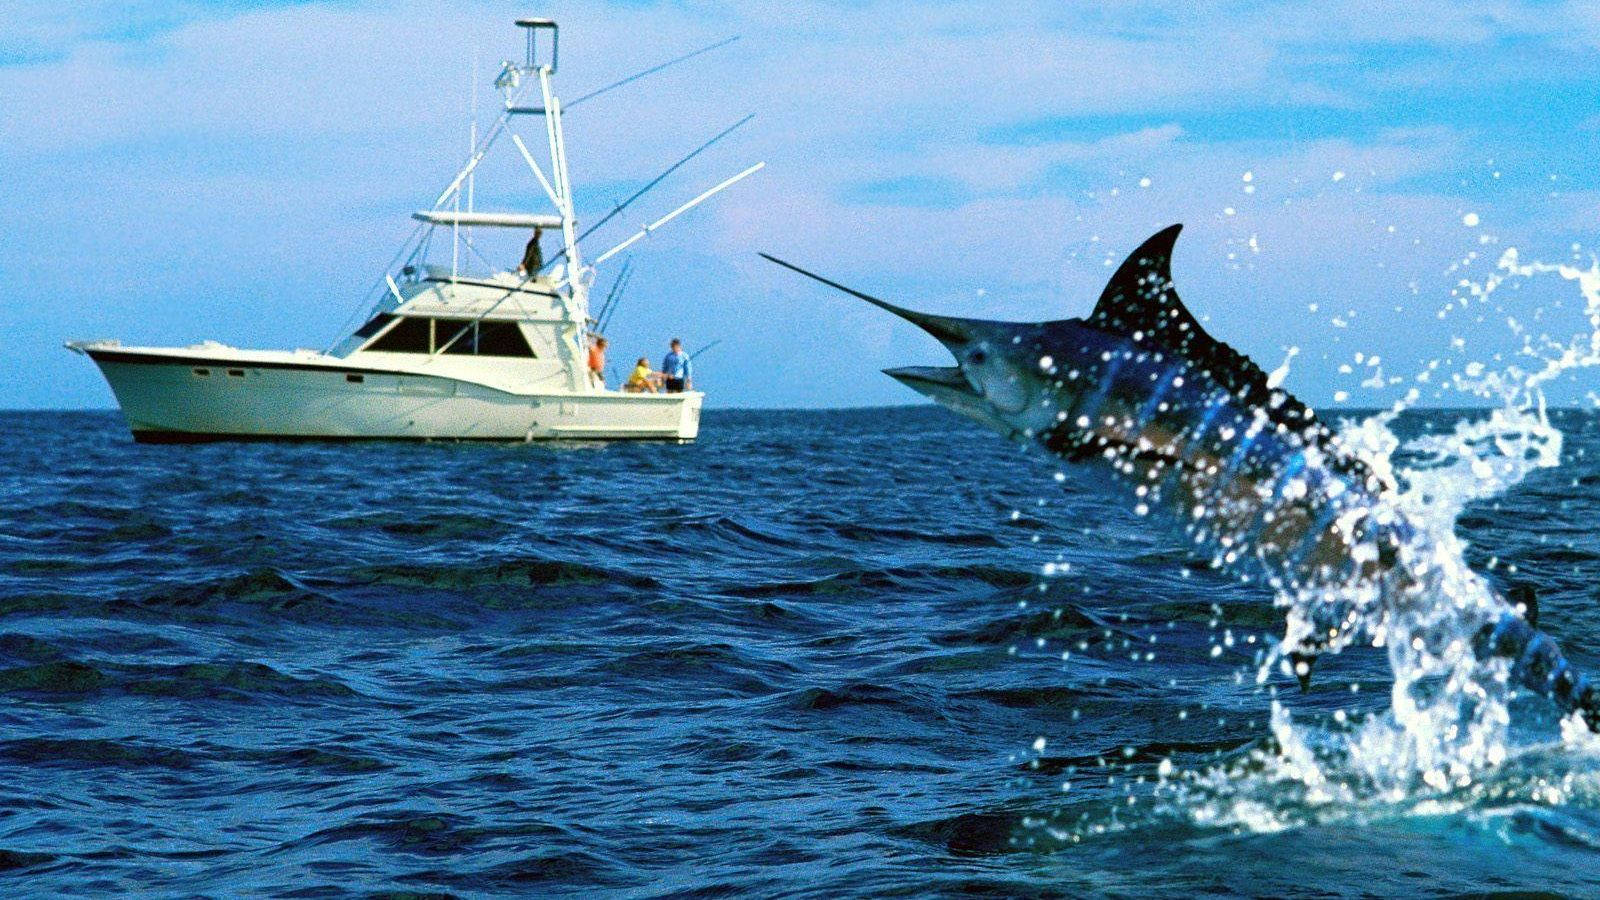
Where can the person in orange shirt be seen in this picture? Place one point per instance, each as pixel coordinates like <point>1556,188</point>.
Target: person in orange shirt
<point>597,362</point>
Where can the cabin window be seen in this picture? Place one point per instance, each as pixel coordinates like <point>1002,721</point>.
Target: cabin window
<point>237,373</point>
<point>202,371</point>
<point>374,326</point>
<point>502,339</point>
<point>484,338</point>
<point>456,336</point>
<point>409,335</point>
<point>355,379</point>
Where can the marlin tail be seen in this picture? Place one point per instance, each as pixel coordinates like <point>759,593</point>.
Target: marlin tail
<point>1139,395</point>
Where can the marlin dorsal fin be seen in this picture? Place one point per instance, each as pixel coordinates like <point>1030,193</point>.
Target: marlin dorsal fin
<point>1141,302</point>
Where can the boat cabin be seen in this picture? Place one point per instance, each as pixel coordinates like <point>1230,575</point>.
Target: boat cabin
<point>502,329</point>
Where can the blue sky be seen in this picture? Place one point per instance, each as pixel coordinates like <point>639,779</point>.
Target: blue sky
<point>174,172</point>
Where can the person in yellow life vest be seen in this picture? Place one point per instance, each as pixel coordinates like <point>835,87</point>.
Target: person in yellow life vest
<point>642,380</point>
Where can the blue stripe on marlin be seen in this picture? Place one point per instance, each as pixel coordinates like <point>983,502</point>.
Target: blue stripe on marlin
<point>1287,473</point>
<point>1163,385</point>
<point>1139,392</point>
<point>1243,449</point>
<point>1214,409</point>
<point>1089,405</point>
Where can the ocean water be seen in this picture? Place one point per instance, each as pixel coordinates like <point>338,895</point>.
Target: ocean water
<point>815,653</point>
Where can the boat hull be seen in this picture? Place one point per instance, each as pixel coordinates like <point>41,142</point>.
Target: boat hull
<point>186,399</point>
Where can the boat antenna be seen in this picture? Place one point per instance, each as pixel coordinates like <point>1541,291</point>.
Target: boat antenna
<point>646,189</point>
<point>617,287</point>
<point>651,71</point>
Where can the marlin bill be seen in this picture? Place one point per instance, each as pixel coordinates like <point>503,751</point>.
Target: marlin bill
<point>1146,405</point>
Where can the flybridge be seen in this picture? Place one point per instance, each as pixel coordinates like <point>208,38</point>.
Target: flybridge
<point>454,208</point>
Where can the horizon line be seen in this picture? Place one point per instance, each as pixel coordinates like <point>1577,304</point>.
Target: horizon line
<point>913,405</point>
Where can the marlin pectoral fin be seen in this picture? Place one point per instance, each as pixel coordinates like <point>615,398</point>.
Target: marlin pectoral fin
<point>1524,600</point>
<point>1302,664</point>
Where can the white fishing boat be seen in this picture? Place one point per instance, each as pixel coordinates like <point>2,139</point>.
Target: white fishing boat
<point>445,353</point>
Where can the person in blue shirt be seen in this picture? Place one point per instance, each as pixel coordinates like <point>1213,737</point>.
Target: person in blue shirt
<point>677,369</point>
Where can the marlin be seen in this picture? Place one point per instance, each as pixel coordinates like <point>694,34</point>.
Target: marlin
<point>1143,401</point>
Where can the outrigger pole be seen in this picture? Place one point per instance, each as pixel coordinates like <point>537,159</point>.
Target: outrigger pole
<point>646,230</point>
<point>569,279</point>
<point>642,191</point>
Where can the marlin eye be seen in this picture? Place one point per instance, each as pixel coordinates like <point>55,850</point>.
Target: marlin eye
<point>977,357</point>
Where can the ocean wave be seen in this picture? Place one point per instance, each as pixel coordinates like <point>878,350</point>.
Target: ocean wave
<point>99,752</point>
<point>492,572</point>
<point>444,526</point>
<point>417,832</point>
<point>222,680</point>
<point>265,587</point>
<point>15,860</point>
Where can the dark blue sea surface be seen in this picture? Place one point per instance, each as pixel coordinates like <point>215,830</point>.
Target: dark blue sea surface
<point>811,654</point>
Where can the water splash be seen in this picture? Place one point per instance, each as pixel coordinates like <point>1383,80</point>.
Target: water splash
<point>1446,743</point>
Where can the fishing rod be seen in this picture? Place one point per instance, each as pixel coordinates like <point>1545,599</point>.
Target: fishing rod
<point>646,189</point>
<point>617,287</point>
<point>652,70</point>
<point>658,179</point>
<point>613,310</point>
<point>705,348</point>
